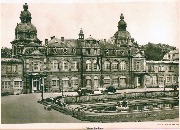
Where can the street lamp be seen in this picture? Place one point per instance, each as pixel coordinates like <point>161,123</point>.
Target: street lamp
<point>164,86</point>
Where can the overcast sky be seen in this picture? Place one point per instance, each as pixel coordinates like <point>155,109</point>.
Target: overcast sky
<point>155,22</point>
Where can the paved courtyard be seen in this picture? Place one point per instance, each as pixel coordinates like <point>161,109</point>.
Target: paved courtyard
<point>18,109</point>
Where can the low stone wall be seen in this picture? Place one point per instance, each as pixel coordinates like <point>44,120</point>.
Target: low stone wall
<point>136,117</point>
<point>117,96</point>
<point>118,117</point>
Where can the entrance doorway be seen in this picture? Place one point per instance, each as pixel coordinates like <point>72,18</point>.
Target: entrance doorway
<point>139,82</point>
<point>35,84</point>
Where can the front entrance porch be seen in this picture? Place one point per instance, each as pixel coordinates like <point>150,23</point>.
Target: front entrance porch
<point>138,79</point>
<point>36,82</point>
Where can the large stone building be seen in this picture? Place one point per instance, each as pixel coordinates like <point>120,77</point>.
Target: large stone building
<point>69,64</point>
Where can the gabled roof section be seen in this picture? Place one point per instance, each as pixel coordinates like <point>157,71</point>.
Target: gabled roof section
<point>56,42</point>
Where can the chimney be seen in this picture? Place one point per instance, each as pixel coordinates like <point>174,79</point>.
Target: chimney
<point>52,37</point>
<point>62,39</point>
<point>46,42</point>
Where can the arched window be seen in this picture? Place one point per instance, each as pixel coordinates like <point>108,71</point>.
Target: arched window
<point>88,65</point>
<point>122,65</point>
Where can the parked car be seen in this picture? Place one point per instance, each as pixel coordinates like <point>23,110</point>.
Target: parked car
<point>110,89</point>
<point>84,91</point>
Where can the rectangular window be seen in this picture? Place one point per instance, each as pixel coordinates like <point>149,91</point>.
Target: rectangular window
<point>161,68</point>
<point>55,82</point>
<point>95,51</point>
<point>54,66</point>
<point>115,66</point>
<point>174,79</point>
<point>74,65</point>
<point>95,66</point>
<point>65,66</point>
<point>3,68</point>
<point>168,79</point>
<point>17,84</point>
<point>6,84</point>
<point>161,79</point>
<point>170,68</point>
<point>74,82</point>
<point>14,68</point>
<point>88,51</point>
<point>122,81</point>
<point>115,81</point>
<point>106,81</point>
<point>153,79</point>
<point>8,68</point>
<point>138,66</point>
<point>36,66</point>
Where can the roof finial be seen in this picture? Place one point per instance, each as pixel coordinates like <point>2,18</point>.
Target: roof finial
<point>121,17</point>
<point>25,6</point>
<point>81,31</point>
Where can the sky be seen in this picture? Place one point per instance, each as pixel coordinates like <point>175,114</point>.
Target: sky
<point>149,21</point>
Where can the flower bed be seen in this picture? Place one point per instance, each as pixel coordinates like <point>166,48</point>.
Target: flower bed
<point>117,96</point>
<point>117,117</point>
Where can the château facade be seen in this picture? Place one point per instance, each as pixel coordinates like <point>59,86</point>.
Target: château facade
<point>69,64</point>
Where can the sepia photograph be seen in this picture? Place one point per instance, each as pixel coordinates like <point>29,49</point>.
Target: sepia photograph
<point>89,65</point>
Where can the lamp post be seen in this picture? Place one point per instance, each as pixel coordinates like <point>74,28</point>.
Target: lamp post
<point>164,86</point>
<point>130,68</point>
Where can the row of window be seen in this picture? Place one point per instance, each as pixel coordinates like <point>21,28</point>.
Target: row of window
<point>9,68</point>
<point>74,82</point>
<point>160,68</point>
<point>7,84</point>
<point>89,65</point>
<point>168,79</point>
<point>87,51</point>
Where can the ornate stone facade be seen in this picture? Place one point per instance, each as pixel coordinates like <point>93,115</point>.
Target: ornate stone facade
<point>68,64</point>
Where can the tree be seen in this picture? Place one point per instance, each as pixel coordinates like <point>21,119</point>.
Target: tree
<point>6,52</point>
<point>156,51</point>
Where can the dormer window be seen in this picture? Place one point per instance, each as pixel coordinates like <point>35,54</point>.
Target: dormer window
<point>74,50</point>
<point>106,52</point>
<point>65,51</point>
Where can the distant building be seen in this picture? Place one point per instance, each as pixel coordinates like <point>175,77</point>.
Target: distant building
<point>69,64</point>
<point>172,56</point>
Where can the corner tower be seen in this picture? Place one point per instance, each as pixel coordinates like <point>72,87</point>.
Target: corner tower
<point>81,35</point>
<point>25,33</point>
